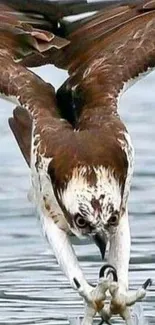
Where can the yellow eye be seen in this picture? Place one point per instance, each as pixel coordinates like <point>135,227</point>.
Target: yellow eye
<point>79,221</point>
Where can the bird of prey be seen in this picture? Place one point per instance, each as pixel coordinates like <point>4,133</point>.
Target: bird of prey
<point>78,149</point>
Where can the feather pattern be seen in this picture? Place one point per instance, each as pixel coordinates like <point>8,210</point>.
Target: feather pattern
<point>21,126</point>
<point>101,54</point>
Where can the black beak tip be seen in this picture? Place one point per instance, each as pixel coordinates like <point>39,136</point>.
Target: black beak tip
<point>106,270</point>
<point>101,242</point>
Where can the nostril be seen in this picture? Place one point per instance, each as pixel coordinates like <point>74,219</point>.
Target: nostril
<point>107,270</point>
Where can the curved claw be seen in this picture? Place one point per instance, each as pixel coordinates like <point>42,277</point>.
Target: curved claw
<point>106,270</point>
<point>121,301</point>
<point>94,300</point>
<point>147,283</point>
<point>139,294</point>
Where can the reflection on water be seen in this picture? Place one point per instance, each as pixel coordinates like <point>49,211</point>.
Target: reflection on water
<point>33,290</point>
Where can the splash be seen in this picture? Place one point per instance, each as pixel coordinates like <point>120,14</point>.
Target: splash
<point>75,320</point>
<point>138,315</point>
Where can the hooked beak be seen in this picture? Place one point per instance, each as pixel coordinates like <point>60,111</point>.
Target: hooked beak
<point>101,239</point>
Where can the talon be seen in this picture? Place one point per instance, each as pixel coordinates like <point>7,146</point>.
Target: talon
<point>106,270</point>
<point>76,282</point>
<point>147,283</point>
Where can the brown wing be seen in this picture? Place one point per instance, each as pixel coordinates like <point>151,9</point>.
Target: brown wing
<point>25,35</point>
<point>38,99</point>
<point>39,28</point>
<point>53,137</point>
<point>99,67</point>
<point>105,54</point>
<point>21,126</point>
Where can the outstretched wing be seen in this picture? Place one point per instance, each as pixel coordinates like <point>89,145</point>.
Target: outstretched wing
<point>43,27</point>
<point>39,108</point>
<point>103,54</point>
<point>32,32</point>
<point>28,34</point>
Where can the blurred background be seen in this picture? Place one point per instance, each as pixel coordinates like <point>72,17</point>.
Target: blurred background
<point>33,289</point>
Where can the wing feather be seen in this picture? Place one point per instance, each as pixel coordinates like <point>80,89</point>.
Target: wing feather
<point>29,35</point>
<point>21,126</point>
<point>40,30</point>
<point>117,45</point>
<point>99,69</point>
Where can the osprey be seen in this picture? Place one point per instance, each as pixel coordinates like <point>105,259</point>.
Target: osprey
<point>78,149</point>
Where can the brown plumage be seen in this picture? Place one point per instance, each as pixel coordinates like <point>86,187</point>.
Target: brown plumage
<point>101,54</point>
<point>21,126</point>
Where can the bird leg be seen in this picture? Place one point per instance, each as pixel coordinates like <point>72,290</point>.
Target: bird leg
<point>96,304</point>
<point>117,307</point>
<point>119,254</point>
<point>63,250</point>
<point>94,297</point>
<point>65,255</point>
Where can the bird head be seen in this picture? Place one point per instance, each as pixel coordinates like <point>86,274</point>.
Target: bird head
<point>91,200</point>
